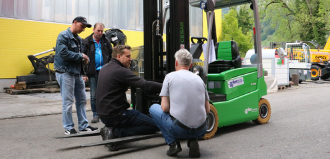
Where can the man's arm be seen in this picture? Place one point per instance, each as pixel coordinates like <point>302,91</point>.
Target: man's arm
<point>64,52</point>
<point>109,53</point>
<point>207,98</point>
<point>165,104</point>
<point>207,106</point>
<point>85,51</point>
<point>135,81</point>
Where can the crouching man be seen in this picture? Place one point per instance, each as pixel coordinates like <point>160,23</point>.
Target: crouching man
<point>113,81</point>
<point>185,102</point>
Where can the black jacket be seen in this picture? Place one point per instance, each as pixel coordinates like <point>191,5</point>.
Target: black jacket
<point>89,50</point>
<point>113,82</point>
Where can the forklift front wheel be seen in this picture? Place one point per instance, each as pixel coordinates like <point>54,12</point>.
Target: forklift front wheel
<point>264,112</point>
<point>212,123</point>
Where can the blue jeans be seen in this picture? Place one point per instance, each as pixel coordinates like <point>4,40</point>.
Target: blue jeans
<point>170,130</point>
<point>93,85</point>
<point>72,87</point>
<point>129,123</point>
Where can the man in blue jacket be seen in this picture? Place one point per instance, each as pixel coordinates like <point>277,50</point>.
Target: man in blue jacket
<point>68,64</point>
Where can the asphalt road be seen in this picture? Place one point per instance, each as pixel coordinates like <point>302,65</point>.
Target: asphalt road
<point>299,128</point>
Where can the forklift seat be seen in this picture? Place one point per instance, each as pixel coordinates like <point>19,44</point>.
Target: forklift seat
<point>227,57</point>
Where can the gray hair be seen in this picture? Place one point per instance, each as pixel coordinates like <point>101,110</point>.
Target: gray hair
<point>183,57</point>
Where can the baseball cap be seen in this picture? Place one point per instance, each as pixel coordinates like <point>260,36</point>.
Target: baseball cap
<point>82,20</point>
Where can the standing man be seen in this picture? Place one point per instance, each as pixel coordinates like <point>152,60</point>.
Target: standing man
<point>99,50</point>
<point>185,102</point>
<point>112,106</point>
<point>68,64</point>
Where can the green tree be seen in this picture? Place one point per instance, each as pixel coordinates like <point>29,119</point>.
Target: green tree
<point>231,31</point>
<point>296,20</point>
<point>245,18</point>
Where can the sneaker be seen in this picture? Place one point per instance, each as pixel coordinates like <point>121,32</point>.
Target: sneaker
<point>193,148</point>
<point>89,129</point>
<point>70,132</point>
<point>175,148</point>
<point>95,119</point>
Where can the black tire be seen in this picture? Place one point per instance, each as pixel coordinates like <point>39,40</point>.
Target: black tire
<point>264,112</point>
<point>212,123</point>
<point>325,73</point>
<point>315,72</point>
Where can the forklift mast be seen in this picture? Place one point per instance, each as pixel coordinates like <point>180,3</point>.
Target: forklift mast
<point>177,37</point>
<point>177,31</point>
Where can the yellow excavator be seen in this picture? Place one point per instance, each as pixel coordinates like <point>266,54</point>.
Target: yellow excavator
<point>319,59</point>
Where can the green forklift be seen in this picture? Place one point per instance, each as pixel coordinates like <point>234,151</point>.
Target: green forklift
<point>235,90</point>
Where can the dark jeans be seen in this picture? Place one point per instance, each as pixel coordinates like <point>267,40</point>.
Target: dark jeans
<point>131,122</point>
<point>93,85</point>
<point>171,131</point>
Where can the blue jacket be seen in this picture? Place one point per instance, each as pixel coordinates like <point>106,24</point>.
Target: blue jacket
<point>68,56</point>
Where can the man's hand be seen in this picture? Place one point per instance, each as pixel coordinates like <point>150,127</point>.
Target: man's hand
<point>85,78</point>
<point>85,59</point>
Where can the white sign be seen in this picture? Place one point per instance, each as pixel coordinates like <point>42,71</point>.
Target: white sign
<point>235,82</point>
<point>247,110</point>
<point>211,84</point>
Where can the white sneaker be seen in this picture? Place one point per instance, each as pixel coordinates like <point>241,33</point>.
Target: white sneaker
<point>89,129</point>
<point>70,132</point>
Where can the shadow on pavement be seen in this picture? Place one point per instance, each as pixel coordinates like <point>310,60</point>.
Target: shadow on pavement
<point>131,150</point>
<point>233,128</point>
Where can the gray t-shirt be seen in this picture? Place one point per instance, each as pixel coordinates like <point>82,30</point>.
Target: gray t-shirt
<point>187,94</point>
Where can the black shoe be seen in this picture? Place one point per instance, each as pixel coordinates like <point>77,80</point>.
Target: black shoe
<point>95,119</point>
<point>107,134</point>
<point>88,129</point>
<point>70,132</point>
<point>175,148</point>
<point>193,148</point>
<point>112,147</point>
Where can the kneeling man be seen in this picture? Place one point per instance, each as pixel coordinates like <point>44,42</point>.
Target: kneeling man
<point>185,102</point>
<point>112,106</point>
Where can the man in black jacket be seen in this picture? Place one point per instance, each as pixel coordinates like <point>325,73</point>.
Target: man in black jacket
<point>113,82</point>
<point>98,49</point>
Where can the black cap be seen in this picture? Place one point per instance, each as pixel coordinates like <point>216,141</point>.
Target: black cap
<point>82,20</point>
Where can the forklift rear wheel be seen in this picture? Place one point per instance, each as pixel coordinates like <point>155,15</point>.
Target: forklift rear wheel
<point>315,72</point>
<point>212,123</point>
<point>264,112</point>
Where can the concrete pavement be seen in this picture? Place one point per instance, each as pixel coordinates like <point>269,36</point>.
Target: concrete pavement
<point>18,106</point>
<point>298,128</point>
<point>38,104</point>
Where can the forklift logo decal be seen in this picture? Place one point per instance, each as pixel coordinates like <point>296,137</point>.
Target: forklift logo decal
<point>250,110</point>
<point>235,82</point>
<point>181,32</point>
